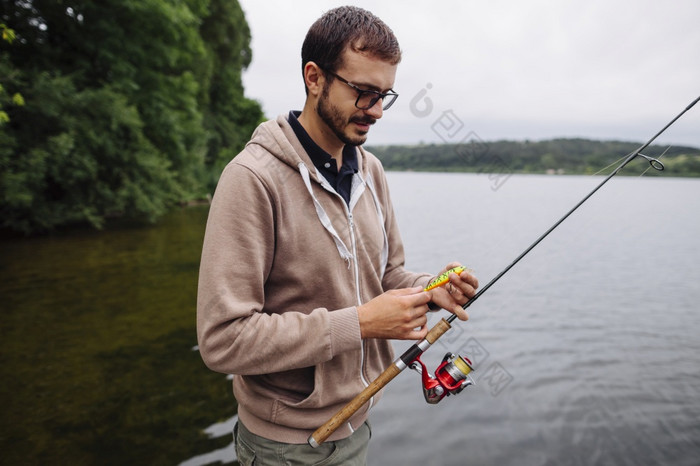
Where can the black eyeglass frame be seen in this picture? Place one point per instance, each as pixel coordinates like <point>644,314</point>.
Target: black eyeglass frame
<point>360,92</point>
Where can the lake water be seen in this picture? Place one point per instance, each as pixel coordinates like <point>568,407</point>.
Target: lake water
<point>586,352</point>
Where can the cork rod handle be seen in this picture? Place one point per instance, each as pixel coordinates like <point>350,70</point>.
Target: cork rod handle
<point>342,416</point>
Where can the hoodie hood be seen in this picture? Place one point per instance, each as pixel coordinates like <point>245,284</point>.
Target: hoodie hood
<point>277,138</point>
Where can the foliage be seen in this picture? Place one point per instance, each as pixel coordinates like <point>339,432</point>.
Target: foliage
<point>130,106</point>
<point>561,156</point>
<point>7,35</point>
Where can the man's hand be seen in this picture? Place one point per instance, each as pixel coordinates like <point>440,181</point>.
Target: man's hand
<point>460,289</point>
<point>395,314</point>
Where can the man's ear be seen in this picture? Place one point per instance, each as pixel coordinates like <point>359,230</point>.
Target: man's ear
<point>314,78</point>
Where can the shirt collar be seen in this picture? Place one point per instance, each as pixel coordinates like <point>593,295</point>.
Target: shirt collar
<point>320,158</point>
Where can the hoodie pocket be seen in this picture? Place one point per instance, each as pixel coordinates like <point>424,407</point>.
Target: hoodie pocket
<point>335,383</point>
<point>298,400</point>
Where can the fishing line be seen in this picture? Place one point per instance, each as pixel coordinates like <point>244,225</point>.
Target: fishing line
<point>582,228</point>
<point>609,165</point>
<point>658,159</point>
<point>653,163</point>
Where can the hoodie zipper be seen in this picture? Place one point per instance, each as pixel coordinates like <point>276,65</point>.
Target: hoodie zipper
<point>351,223</point>
<point>356,272</point>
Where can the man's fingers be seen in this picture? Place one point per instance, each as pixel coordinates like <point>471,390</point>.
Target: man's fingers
<point>460,313</point>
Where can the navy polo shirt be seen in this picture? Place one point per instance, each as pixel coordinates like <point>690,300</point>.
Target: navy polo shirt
<point>341,180</point>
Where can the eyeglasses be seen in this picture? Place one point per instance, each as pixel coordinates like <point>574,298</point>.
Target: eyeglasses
<point>366,99</point>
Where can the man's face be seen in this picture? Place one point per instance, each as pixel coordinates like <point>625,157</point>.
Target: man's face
<point>336,104</point>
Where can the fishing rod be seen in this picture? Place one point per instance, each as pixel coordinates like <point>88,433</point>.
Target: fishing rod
<point>453,374</point>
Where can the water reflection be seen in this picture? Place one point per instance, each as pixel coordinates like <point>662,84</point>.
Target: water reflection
<point>97,331</point>
<point>222,455</point>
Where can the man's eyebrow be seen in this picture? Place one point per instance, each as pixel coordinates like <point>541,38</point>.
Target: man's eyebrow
<point>371,87</point>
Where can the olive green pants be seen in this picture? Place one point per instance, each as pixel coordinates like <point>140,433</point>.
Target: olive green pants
<point>254,450</point>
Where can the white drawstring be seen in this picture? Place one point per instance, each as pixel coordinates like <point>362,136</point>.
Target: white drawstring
<point>323,217</point>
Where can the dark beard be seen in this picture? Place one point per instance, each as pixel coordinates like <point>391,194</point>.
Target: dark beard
<point>332,117</point>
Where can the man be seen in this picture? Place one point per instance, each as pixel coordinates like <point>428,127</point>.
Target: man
<point>302,279</point>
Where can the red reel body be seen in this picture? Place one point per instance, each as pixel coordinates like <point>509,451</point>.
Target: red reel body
<point>451,377</point>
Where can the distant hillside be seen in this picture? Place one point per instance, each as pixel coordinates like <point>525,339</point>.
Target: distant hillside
<point>558,156</point>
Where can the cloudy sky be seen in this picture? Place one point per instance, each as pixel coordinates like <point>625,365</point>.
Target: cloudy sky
<point>508,69</point>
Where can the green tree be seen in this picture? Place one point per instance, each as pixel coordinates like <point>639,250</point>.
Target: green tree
<point>131,107</point>
<point>573,155</point>
<point>229,116</point>
<point>6,75</point>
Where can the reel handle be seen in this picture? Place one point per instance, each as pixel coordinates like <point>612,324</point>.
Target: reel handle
<point>342,416</point>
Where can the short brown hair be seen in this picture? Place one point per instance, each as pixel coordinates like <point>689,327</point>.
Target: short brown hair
<point>348,26</point>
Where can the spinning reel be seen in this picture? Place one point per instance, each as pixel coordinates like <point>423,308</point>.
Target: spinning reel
<point>451,377</point>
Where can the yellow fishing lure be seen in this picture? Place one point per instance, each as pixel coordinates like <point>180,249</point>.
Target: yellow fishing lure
<point>443,278</point>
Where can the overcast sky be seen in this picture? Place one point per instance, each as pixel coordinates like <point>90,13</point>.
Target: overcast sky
<point>508,69</point>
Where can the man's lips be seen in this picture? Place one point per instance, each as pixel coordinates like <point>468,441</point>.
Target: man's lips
<point>364,123</point>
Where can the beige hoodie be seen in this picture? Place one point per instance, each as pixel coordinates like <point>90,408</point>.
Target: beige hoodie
<point>285,263</point>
